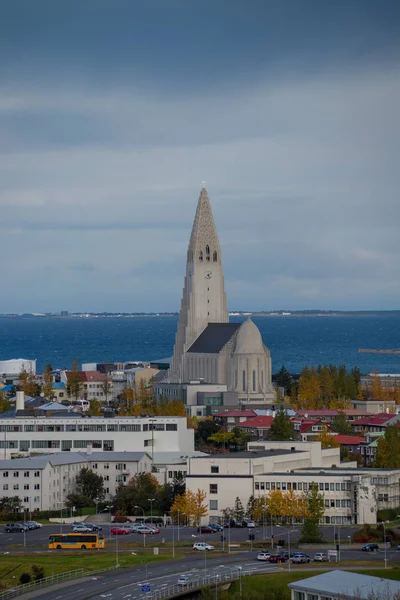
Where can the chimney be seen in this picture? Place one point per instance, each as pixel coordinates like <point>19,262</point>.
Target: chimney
<point>20,403</point>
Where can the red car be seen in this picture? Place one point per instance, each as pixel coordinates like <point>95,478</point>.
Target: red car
<point>119,531</point>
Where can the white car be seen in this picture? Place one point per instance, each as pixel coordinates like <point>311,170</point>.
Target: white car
<point>321,557</point>
<point>263,556</point>
<point>251,524</point>
<point>183,580</point>
<point>202,546</point>
<point>81,529</point>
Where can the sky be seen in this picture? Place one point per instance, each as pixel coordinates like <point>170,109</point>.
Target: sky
<point>113,111</point>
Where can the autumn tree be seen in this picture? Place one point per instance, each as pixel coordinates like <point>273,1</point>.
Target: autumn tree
<point>4,404</point>
<point>27,382</point>
<point>107,387</point>
<point>309,389</point>
<point>388,449</point>
<point>200,508</point>
<point>281,427</point>
<point>94,408</point>
<point>205,429</point>
<point>327,439</point>
<point>75,381</point>
<point>47,385</point>
<point>136,492</point>
<point>376,389</point>
<point>315,503</point>
<point>222,438</point>
<point>190,505</point>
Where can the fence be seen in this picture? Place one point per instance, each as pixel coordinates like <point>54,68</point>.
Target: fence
<point>46,581</point>
<point>196,584</point>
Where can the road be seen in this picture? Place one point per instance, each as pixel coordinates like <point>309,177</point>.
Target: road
<point>126,584</point>
<point>36,540</point>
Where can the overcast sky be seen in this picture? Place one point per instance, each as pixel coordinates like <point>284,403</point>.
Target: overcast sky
<point>113,111</point>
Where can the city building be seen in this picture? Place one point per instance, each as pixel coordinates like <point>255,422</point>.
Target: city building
<point>10,369</point>
<point>208,347</point>
<point>44,482</point>
<point>258,426</point>
<point>95,385</point>
<point>201,399</point>
<point>376,406</point>
<point>374,423</point>
<point>343,585</point>
<point>328,415</point>
<point>232,418</point>
<point>351,495</point>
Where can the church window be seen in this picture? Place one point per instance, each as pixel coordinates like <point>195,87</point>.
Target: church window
<point>215,256</point>
<point>262,379</point>
<point>254,381</point>
<point>201,255</point>
<point>208,253</point>
<point>244,381</point>
<point>236,379</point>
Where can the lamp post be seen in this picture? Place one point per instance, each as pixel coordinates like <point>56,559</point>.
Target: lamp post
<point>173,539</point>
<point>151,500</point>
<point>144,535</point>
<point>240,580</point>
<point>385,544</point>
<point>216,586</point>
<point>179,512</point>
<point>152,421</point>
<point>205,566</point>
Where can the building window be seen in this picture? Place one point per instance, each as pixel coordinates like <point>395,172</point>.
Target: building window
<point>37,486</point>
<point>5,486</point>
<point>5,474</point>
<point>171,427</point>
<point>213,488</point>
<point>26,486</point>
<point>16,486</point>
<point>257,485</point>
<point>26,473</point>
<point>267,485</point>
<point>16,473</point>
<point>26,499</point>
<point>214,469</point>
<point>244,380</point>
<point>327,487</point>
<point>254,381</point>
<point>213,504</point>
<point>338,487</point>
<point>321,487</point>
<point>36,499</point>
<point>215,257</point>
<point>299,596</point>
<point>37,473</point>
<point>326,503</point>
<point>201,256</point>
<point>208,253</point>
<point>332,487</point>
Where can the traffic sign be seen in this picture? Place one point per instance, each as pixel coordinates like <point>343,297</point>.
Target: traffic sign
<point>332,553</point>
<point>146,588</point>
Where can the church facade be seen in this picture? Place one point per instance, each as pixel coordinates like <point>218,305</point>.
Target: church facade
<point>208,348</point>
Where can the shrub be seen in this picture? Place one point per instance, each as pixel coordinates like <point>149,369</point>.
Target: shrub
<point>25,578</point>
<point>38,572</point>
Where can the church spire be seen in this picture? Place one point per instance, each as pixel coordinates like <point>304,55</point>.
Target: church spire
<point>204,298</point>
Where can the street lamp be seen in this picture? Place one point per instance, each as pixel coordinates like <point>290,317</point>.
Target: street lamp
<point>385,543</point>
<point>152,421</point>
<point>151,500</point>
<point>216,586</point>
<point>240,579</point>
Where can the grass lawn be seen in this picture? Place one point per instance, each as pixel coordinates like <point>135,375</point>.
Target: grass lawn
<point>11,566</point>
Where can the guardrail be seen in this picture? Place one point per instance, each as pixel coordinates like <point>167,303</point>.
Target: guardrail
<point>47,581</point>
<point>196,584</point>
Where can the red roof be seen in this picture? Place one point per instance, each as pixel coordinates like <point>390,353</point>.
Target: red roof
<point>236,413</point>
<point>89,376</point>
<point>318,413</point>
<point>349,440</point>
<point>379,419</point>
<point>258,422</point>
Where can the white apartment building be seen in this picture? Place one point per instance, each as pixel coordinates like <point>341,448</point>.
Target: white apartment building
<point>44,482</point>
<point>351,495</point>
<point>74,433</point>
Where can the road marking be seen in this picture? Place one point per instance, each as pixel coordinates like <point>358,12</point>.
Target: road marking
<point>57,597</point>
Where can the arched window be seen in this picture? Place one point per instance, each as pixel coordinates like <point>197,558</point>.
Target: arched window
<point>244,380</point>
<point>215,256</point>
<point>208,253</point>
<point>236,379</point>
<point>201,255</point>
<point>254,381</point>
<point>262,379</point>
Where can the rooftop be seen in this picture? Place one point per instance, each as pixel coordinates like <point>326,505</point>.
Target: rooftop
<point>346,584</point>
<point>254,454</point>
<point>258,422</point>
<point>379,419</point>
<point>214,338</point>
<point>349,439</point>
<point>67,458</point>
<point>236,413</point>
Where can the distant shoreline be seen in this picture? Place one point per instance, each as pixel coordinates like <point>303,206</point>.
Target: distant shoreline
<point>271,314</point>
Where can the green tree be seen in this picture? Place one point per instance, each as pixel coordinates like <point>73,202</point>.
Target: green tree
<point>222,438</point>
<point>204,430</point>
<point>4,404</point>
<point>94,408</point>
<point>106,387</point>
<point>238,510</point>
<point>281,427</point>
<point>89,484</point>
<point>315,508</point>
<point>241,438</point>
<point>250,508</point>
<point>388,449</point>
<point>284,379</point>
<point>10,504</point>
<point>75,381</point>
<point>78,501</point>
<point>47,385</point>
<point>137,492</point>
<point>341,425</point>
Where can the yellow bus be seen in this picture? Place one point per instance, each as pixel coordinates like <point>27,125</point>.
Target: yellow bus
<point>71,541</point>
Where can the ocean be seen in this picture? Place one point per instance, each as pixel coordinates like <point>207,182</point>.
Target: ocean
<point>293,341</point>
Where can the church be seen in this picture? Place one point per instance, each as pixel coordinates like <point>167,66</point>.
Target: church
<point>212,354</point>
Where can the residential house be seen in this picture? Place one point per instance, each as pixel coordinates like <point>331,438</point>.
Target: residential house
<point>232,418</point>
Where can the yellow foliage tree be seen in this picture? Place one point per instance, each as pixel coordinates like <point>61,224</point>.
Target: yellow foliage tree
<point>376,388</point>
<point>309,389</point>
<point>27,382</point>
<point>327,440</point>
<point>191,505</point>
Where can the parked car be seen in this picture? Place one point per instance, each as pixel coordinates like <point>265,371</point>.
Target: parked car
<point>321,557</point>
<point>370,548</point>
<point>34,525</point>
<point>251,524</point>
<point>229,523</point>
<point>76,523</point>
<point>277,558</point>
<point>300,558</point>
<point>202,546</point>
<point>119,531</point>
<point>216,526</point>
<point>82,529</point>
<point>206,529</point>
<point>265,556</point>
<point>147,530</point>
<point>117,519</point>
<point>15,528</point>
<point>26,524</point>
<point>154,520</point>
<point>183,580</point>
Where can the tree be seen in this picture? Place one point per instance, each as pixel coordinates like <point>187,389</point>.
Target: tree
<point>106,387</point>
<point>10,504</point>
<point>4,404</point>
<point>388,449</point>
<point>241,438</point>
<point>284,379</point>
<point>200,508</point>
<point>137,492</point>
<point>89,484</point>
<point>205,429</point>
<point>222,438</point>
<point>238,510</point>
<point>75,381</point>
<point>315,503</point>
<point>94,408</point>
<point>341,425</point>
<point>308,388</point>
<point>327,440</point>
<point>78,501</point>
<point>376,388</point>
<point>27,382</point>
<point>250,508</point>
<point>191,506</point>
<point>47,385</point>
<point>281,427</point>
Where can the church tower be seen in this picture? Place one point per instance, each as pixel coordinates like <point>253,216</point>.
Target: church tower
<point>204,298</point>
